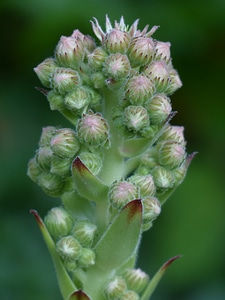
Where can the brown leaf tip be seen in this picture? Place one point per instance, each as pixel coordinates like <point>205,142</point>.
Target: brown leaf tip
<point>78,164</point>
<point>134,207</point>
<point>169,262</point>
<point>37,217</point>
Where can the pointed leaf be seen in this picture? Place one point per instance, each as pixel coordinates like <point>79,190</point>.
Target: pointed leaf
<point>88,185</point>
<point>155,280</point>
<point>121,239</point>
<point>79,295</point>
<point>65,283</point>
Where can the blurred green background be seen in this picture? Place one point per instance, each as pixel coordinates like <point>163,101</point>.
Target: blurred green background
<point>193,220</point>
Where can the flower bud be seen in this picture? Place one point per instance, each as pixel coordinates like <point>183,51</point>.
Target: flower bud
<point>46,135</point>
<point>158,72</point>
<point>84,232</point>
<point>145,184</point>
<point>171,155</point>
<point>56,101</point>
<point>121,192</point>
<point>70,265</point>
<point>44,157</point>
<point>115,288</point>
<point>34,169</point>
<point>175,82</point>
<point>130,295</point>
<point>136,279</point>
<point>70,52</point>
<point>117,41</point>
<point>117,66</point>
<point>59,222</point>
<point>65,144</point>
<point>87,258</point>
<point>139,89</point>
<point>93,129</point>
<point>88,41</point>
<point>180,173</point>
<point>51,184</point>
<point>92,161</point>
<point>136,118</point>
<point>77,99</point>
<point>162,51</point>
<point>151,210</point>
<point>98,80</point>
<point>159,109</point>
<point>163,178</point>
<point>141,51</point>
<point>68,248</point>
<point>44,71</point>
<point>64,80</point>
<point>174,134</point>
<point>61,166</point>
<point>97,58</point>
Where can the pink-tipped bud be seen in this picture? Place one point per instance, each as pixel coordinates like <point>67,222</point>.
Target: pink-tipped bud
<point>159,109</point>
<point>64,80</point>
<point>171,155</point>
<point>117,41</point>
<point>145,184</point>
<point>162,51</point>
<point>97,58</point>
<point>117,66</point>
<point>44,71</point>
<point>136,118</point>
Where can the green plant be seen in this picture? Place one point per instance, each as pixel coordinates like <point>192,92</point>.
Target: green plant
<point>116,166</point>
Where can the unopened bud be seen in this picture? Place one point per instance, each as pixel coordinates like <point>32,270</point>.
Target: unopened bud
<point>77,99</point>
<point>56,100</point>
<point>145,184</point>
<point>92,161</point>
<point>151,210</point>
<point>162,51</point>
<point>59,222</point>
<point>121,192</point>
<point>136,118</point>
<point>171,154</point>
<point>163,178</point>
<point>84,232</point>
<point>130,295</point>
<point>65,144</point>
<point>86,258</point>
<point>34,169</point>
<point>117,41</point>
<point>159,109</point>
<point>117,66</point>
<point>61,166</point>
<point>136,279</point>
<point>141,51</point>
<point>97,58</point>
<point>52,184</point>
<point>174,134</point>
<point>93,129</point>
<point>64,80</point>
<point>139,89</point>
<point>46,135</point>
<point>70,52</point>
<point>44,157</point>
<point>44,71</point>
<point>68,248</point>
<point>175,82</point>
<point>115,288</point>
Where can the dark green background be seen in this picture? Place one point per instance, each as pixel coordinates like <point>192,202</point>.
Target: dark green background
<point>193,221</point>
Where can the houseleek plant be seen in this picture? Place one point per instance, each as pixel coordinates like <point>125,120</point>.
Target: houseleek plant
<point>117,162</point>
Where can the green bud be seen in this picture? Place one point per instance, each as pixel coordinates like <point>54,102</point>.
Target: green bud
<point>162,51</point>
<point>44,157</point>
<point>117,66</point>
<point>163,178</point>
<point>97,58</point>
<point>180,173</point>
<point>159,109</point>
<point>64,80</point>
<point>174,134</point>
<point>59,222</point>
<point>78,99</point>
<point>46,135</point>
<point>98,80</point>
<point>34,169</point>
<point>65,144</point>
<point>136,118</point>
<point>61,166</point>
<point>44,71</point>
<point>151,210</point>
<point>115,288</point>
<point>175,82</point>
<point>136,279</point>
<point>158,72</point>
<point>145,184</point>
<point>141,51</point>
<point>68,248</point>
<point>139,89</point>
<point>121,192</point>
<point>117,41</point>
<point>52,184</point>
<point>93,129</point>
<point>70,52</point>
<point>92,161</point>
<point>84,232</point>
<point>56,101</point>
<point>171,154</point>
<point>70,265</point>
<point>87,258</point>
<point>130,295</point>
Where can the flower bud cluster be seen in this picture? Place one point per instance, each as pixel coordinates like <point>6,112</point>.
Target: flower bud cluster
<point>129,285</point>
<point>73,239</point>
